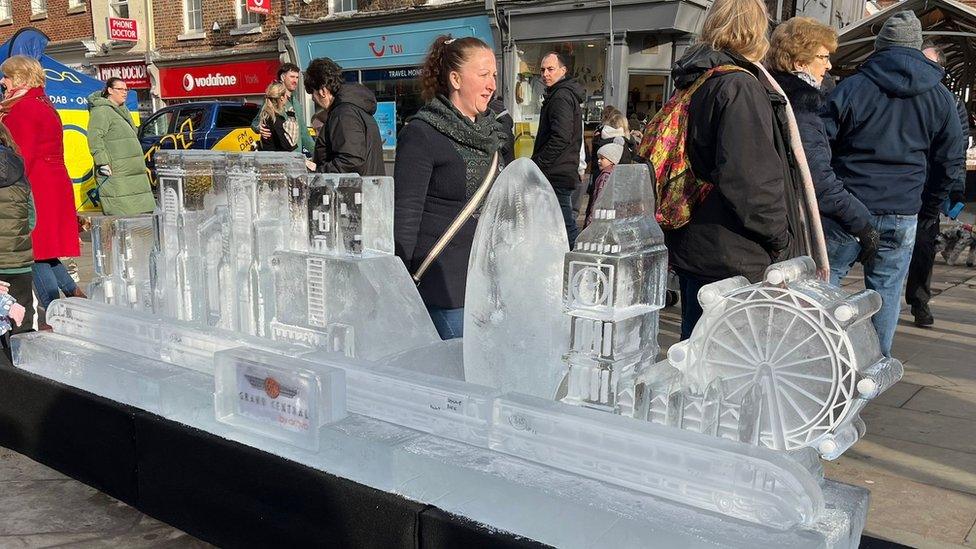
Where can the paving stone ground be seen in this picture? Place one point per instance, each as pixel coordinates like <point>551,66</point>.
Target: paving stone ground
<point>918,458</point>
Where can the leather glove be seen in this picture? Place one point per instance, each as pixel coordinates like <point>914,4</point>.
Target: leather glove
<point>105,170</point>
<point>869,239</point>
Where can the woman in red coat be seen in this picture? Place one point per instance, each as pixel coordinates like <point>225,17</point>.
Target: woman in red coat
<point>29,115</point>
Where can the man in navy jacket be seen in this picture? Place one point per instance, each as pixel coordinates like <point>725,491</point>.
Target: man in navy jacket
<point>895,136</point>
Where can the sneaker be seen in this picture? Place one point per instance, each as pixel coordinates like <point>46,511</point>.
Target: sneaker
<point>923,317</point>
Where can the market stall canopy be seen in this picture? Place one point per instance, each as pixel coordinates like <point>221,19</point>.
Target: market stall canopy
<point>68,90</point>
<point>949,24</point>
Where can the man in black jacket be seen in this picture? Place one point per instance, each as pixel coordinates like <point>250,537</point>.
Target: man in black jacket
<point>560,137</point>
<point>349,142</point>
<point>918,288</point>
<point>896,140</point>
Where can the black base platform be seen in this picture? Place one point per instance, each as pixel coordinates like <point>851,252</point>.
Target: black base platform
<point>225,493</point>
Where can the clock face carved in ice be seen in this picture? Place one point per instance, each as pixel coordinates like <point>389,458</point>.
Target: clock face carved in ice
<point>591,284</point>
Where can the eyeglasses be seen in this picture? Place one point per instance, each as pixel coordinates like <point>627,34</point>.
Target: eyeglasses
<point>823,57</point>
<point>121,89</point>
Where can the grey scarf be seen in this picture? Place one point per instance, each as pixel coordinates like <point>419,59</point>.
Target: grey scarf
<point>475,141</point>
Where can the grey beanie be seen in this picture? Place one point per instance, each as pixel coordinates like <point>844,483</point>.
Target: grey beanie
<point>901,29</point>
<point>612,151</point>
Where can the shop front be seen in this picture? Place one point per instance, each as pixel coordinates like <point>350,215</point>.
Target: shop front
<point>135,74</point>
<point>622,55</point>
<point>243,81</point>
<point>386,58</point>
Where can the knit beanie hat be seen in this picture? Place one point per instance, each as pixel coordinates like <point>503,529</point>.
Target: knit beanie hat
<point>901,29</point>
<point>612,151</point>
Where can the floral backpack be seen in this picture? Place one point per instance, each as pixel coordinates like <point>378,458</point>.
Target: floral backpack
<point>677,188</point>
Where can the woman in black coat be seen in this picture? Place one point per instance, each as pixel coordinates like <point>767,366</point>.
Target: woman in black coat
<point>444,153</point>
<point>280,122</point>
<point>799,58</point>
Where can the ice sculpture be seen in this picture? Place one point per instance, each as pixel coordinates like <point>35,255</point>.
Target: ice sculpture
<point>787,363</point>
<point>614,284</point>
<point>514,332</point>
<point>121,250</point>
<point>338,286</point>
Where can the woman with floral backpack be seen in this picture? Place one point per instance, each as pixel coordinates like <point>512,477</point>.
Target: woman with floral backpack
<point>730,186</point>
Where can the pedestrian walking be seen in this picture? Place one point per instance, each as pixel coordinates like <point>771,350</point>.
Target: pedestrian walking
<point>289,75</point>
<point>445,154</point>
<point>350,140</point>
<point>279,120</point>
<point>918,286</point>
<point>896,141</point>
<point>16,221</point>
<point>799,58</point>
<point>120,167</point>
<point>34,124</point>
<point>559,142</point>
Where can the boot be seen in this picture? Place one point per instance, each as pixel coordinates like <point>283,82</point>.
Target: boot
<point>923,316</point>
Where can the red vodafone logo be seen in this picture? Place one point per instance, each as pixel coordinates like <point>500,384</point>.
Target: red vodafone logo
<point>188,82</point>
<point>259,6</point>
<point>218,80</point>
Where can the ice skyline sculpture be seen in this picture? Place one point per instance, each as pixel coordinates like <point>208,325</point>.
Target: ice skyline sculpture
<point>614,284</point>
<point>122,248</point>
<point>787,363</point>
<point>514,331</point>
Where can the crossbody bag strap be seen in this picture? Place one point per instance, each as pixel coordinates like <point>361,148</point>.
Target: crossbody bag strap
<point>459,221</point>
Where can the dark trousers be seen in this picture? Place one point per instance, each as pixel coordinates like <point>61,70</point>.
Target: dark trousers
<point>918,288</point>
<point>22,289</point>
<point>691,310</point>
<point>565,198</point>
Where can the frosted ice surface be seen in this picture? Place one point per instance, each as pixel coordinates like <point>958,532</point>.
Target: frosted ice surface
<point>283,398</point>
<point>366,307</point>
<point>121,252</point>
<point>514,332</point>
<point>563,510</point>
<point>614,283</point>
<point>149,384</point>
<point>441,358</point>
<point>343,215</point>
<point>746,482</point>
<point>787,363</point>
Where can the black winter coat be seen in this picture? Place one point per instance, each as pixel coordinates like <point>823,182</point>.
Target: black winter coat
<point>279,137</point>
<point>350,141</point>
<point>895,134</point>
<point>429,188</point>
<point>560,137</point>
<point>507,150</point>
<point>834,201</point>
<point>737,141</point>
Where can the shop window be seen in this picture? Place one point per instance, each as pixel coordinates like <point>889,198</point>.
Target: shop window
<point>587,64</point>
<point>343,6</point>
<point>193,16</point>
<point>247,18</point>
<point>6,11</point>
<point>38,7</point>
<point>400,86</point>
<point>119,8</point>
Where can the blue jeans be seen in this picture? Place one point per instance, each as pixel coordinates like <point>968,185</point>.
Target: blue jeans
<point>50,279</point>
<point>565,198</point>
<point>887,275</point>
<point>449,322</point>
<point>691,310</point>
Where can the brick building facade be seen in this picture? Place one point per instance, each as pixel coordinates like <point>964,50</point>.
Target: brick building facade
<point>68,23</point>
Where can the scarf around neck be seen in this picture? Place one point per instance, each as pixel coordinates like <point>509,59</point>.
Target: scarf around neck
<point>10,98</point>
<point>476,141</point>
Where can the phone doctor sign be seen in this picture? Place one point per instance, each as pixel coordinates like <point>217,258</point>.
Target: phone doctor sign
<point>262,7</point>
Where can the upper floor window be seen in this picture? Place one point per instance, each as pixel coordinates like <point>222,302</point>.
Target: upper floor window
<point>247,18</point>
<point>119,8</point>
<point>75,3</point>
<point>340,6</point>
<point>6,9</point>
<point>37,6</point>
<point>193,15</point>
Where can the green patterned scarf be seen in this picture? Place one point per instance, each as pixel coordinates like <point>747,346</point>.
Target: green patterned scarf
<point>475,141</point>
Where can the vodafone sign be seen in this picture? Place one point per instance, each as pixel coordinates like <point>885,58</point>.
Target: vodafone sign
<point>259,6</point>
<point>224,80</point>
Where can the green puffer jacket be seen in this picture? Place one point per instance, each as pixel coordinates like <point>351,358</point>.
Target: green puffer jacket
<point>15,211</point>
<point>112,141</point>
